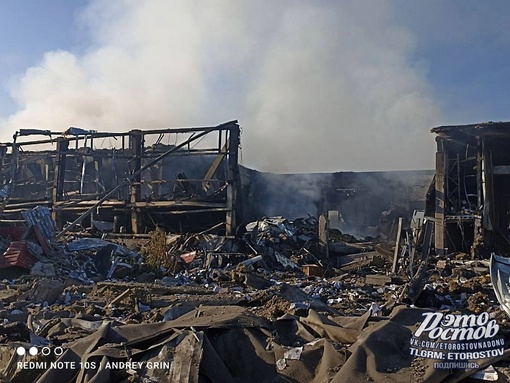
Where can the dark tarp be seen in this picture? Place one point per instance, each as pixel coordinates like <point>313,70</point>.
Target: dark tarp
<point>218,344</point>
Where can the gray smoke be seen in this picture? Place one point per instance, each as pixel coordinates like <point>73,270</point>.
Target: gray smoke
<point>317,86</point>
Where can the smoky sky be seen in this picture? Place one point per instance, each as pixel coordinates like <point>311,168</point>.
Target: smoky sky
<point>316,86</point>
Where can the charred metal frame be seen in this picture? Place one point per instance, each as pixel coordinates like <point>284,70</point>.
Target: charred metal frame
<point>131,186</point>
<point>472,188</point>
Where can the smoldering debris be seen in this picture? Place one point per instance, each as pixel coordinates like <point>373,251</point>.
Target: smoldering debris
<point>271,304</point>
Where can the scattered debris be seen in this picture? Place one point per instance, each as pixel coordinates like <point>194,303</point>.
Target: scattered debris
<point>295,311</point>
<point>273,300</point>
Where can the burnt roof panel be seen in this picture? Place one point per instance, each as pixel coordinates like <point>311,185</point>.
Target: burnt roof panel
<point>481,129</point>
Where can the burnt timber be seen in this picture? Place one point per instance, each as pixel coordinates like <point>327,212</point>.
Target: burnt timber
<point>137,183</point>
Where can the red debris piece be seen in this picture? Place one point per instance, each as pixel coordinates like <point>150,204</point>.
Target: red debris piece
<point>17,255</point>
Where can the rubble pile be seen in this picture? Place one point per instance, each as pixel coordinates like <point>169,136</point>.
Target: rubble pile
<point>269,305</point>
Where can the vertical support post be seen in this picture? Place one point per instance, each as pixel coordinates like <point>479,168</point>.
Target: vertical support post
<point>232,178</point>
<point>397,245</point>
<point>479,173</point>
<point>323,235</point>
<point>14,162</point>
<point>459,198</point>
<point>136,145</point>
<point>488,220</point>
<point>59,180</point>
<point>440,205</point>
<point>3,152</point>
<point>98,165</point>
<point>478,235</point>
<point>411,248</point>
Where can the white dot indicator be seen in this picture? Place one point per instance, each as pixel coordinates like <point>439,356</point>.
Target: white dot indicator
<point>58,351</point>
<point>33,351</point>
<point>20,351</point>
<point>46,351</point>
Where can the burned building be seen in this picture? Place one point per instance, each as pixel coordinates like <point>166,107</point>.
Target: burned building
<point>127,182</point>
<point>472,188</point>
<point>182,180</point>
